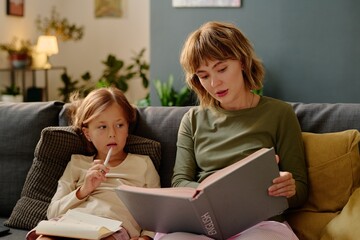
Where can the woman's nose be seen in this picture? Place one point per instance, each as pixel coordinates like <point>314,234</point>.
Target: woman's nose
<point>215,81</point>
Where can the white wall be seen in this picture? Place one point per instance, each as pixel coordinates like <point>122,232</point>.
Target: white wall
<point>119,36</point>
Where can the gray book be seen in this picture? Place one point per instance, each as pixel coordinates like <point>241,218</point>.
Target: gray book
<point>224,204</point>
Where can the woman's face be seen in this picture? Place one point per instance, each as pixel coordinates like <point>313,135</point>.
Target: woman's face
<point>224,81</point>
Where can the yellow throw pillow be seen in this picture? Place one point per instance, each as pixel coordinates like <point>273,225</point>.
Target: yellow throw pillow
<point>333,169</point>
<point>347,224</point>
<point>333,164</point>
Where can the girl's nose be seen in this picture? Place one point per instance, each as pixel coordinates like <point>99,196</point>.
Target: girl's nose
<point>111,132</point>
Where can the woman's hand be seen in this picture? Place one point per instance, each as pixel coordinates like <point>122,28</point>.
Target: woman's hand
<point>284,185</point>
<point>94,176</point>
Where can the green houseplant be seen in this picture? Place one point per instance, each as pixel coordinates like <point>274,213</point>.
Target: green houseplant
<point>116,73</point>
<point>170,97</point>
<point>59,27</point>
<point>71,86</point>
<point>11,94</point>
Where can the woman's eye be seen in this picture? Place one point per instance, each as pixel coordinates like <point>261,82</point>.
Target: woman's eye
<point>203,77</point>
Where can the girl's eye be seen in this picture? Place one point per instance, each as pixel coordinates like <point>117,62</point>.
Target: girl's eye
<point>120,125</point>
<point>102,127</point>
<point>222,69</point>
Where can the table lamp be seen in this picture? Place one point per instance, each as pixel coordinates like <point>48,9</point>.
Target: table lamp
<point>48,45</point>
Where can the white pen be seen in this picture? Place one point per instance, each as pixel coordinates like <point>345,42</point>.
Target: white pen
<point>107,159</point>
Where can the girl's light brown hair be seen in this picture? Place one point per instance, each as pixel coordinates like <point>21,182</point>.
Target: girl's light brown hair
<point>85,110</point>
<point>219,41</point>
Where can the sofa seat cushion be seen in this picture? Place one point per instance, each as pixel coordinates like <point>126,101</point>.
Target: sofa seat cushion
<point>20,128</point>
<point>333,164</point>
<point>52,154</point>
<point>13,234</point>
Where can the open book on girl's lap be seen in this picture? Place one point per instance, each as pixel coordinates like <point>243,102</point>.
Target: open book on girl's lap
<point>75,224</point>
<point>224,204</point>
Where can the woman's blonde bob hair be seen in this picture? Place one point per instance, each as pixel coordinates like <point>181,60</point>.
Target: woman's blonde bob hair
<point>219,41</point>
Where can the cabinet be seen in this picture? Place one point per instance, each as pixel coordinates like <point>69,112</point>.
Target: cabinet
<point>14,72</point>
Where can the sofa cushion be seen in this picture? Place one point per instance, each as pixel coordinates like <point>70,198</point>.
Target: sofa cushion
<point>327,117</point>
<point>161,124</point>
<point>20,128</point>
<point>333,164</point>
<point>52,154</point>
<point>346,224</point>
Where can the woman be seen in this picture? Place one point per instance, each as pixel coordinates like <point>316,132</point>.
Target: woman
<point>233,122</point>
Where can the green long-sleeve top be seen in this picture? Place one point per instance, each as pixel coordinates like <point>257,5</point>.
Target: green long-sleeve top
<point>211,139</point>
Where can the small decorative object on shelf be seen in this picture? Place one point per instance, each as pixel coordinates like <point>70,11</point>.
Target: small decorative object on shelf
<point>19,52</point>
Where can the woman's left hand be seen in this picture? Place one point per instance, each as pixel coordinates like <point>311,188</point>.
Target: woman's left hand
<point>284,185</point>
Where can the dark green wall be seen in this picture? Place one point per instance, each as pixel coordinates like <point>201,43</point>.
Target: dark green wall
<point>310,48</point>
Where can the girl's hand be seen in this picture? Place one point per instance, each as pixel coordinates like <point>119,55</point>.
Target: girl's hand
<point>284,185</point>
<point>94,176</point>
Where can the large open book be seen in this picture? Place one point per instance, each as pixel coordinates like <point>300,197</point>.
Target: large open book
<point>224,204</point>
<point>75,224</point>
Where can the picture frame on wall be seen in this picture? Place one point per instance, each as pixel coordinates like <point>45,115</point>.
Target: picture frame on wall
<point>206,3</point>
<point>15,7</point>
<point>108,9</point>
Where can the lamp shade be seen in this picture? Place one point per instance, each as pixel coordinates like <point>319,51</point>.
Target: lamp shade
<point>47,45</point>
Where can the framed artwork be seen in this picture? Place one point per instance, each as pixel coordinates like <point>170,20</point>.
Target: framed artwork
<point>15,7</point>
<point>108,8</point>
<point>206,3</point>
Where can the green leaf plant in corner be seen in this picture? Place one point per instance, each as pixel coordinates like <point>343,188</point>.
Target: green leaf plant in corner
<point>169,97</point>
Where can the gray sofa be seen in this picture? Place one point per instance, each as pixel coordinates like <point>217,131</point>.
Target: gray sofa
<point>21,126</point>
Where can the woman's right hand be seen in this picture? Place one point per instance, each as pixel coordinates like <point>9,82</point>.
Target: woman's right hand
<point>93,178</point>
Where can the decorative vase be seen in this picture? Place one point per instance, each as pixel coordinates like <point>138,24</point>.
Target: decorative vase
<point>19,60</point>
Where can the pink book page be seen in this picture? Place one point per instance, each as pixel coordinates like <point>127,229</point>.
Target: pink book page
<point>184,192</point>
<point>225,171</point>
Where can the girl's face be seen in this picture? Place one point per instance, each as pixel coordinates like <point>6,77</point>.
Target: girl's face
<point>109,130</point>
<point>224,81</point>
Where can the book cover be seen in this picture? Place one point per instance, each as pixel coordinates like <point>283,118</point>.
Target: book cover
<point>75,224</point>
<point>224,204</point>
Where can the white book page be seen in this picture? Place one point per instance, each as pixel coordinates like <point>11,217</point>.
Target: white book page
<point>72,230</point>
<point>76,216</point>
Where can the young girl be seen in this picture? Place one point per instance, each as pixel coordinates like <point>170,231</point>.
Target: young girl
<point>103,118</point>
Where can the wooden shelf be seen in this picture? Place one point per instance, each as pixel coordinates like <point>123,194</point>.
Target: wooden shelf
<point>23,71</point>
